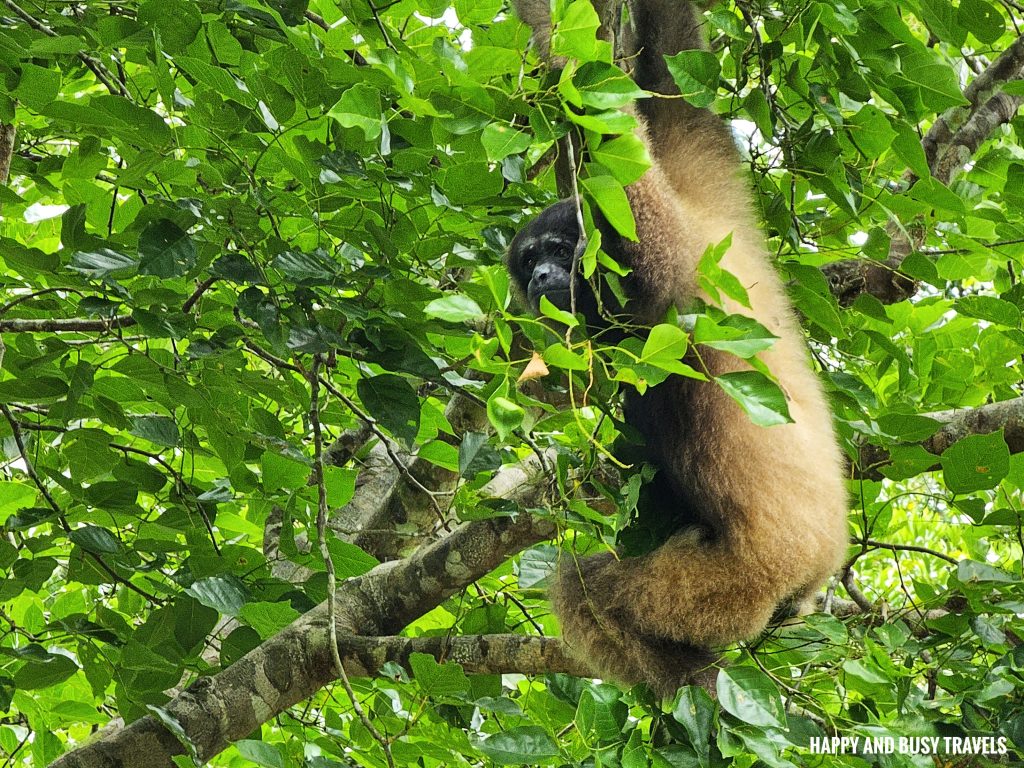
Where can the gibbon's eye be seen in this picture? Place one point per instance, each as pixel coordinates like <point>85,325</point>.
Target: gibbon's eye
<point>529,263</point>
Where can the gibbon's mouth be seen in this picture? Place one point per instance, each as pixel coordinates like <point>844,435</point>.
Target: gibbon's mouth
<point>561,298</point>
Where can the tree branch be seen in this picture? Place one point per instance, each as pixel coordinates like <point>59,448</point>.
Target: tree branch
<point>951,142</point>
<point>478,654</point>
<point>295,663</point>
<point>1007,415</point>
<point>65,324</point>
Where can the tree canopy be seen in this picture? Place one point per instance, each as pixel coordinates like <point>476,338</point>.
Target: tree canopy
<point>258,347</point>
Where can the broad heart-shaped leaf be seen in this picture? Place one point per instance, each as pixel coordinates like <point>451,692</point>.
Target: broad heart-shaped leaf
<point>981,19</point>
<point>870,131</point>
<point>604,86</point>
<point>611,199</point>
<point>42,669</point>
<point>523,744</point>
<point>359,107</point>
<point>165,250</point>
<point>392,401</point>
<point>437,679</point>
<point>696,73</point>
<point>759,396</point>
<point>315,268</point>
<point>976,463</point>
<point>666,344</point>
<point>504,414</point>
<point>625,157</point>
<point>750,695</point>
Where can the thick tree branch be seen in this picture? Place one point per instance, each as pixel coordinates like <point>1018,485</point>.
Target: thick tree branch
<point>296,662</point>
<point>951,142</point>
<point>1007,66</point>
<point>478,654</point>
<point>997,111</point>
<point>1007,415</point>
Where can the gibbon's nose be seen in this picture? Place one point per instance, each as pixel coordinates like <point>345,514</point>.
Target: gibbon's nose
<point>542,274</point>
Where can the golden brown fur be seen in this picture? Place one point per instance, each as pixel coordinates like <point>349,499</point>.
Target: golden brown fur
<point>773,498</point>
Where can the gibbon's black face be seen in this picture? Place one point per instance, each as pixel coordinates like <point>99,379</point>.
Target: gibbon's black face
<point>540,262</point>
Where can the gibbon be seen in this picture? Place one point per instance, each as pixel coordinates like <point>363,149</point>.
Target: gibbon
<point>769,504</point>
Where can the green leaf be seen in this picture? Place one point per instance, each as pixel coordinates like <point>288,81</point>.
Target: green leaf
<point>750,695</point>
<point>738,334</point>
<point>604,86</point>
<point>105,262</point>
<point>224,593</point>
<point>469,182</point>
<point>161,430</point>
<point>455,308</point>
<point>392,402</point>
<point>575,34</point>
<point>761,398</point>
<point>869,129</point>
<point>315,268</point>
<point>261,753</point>
<point>665,346</point>
<point>177,21</point>
<point>611,199</point>
<point>505,415</point>
<point>990,308</point>
<point>976,463</point>
<point>625,157</point>
<point>165,250</point>
<point>38,86</point>
<point>972,571</point>
<point>359,107</point>
<point>500,141</point>
<point>982,20</point>
<point>694,708</point>
<point>696,73</point>
<point>437,679</point>
<point>937,83</point>
<point>97,540</point>
<point>518,745</point>
<point>42,669</point>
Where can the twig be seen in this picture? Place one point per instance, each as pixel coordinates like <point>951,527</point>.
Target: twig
<point>38,482</point>
<point>911,548</point>
<point>103,74</point>
<point>325,553</point>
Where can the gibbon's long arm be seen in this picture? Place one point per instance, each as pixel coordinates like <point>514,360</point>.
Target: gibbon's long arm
<point>770,502</point>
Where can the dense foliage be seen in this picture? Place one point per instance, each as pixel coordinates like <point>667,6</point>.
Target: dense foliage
<point>245,239</point>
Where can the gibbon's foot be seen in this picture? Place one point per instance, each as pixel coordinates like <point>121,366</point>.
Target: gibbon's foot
<point>611,643</point>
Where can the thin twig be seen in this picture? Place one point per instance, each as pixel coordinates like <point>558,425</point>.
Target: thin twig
<point>911,548</point>
<point>103,74</point>
<point>325,553</point>
<point>19,440</point>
